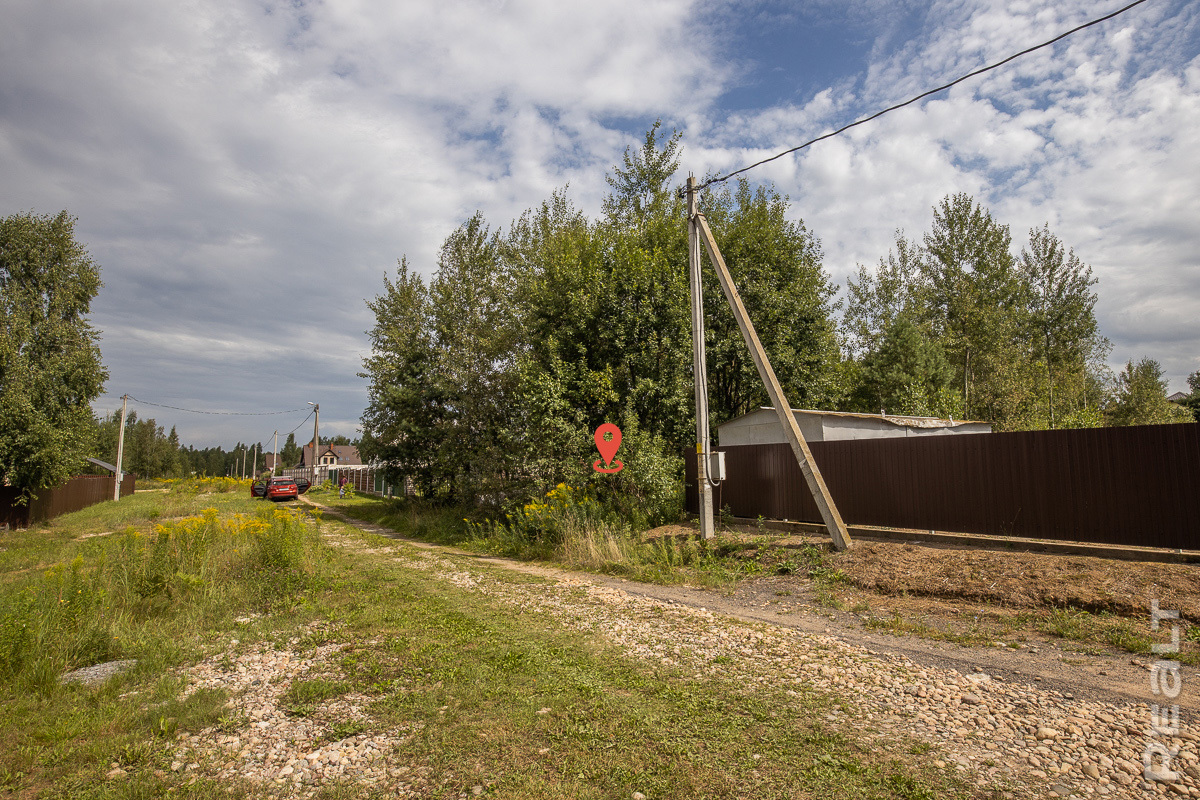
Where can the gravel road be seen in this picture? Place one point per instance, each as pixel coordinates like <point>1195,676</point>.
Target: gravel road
<point>1073,733</point>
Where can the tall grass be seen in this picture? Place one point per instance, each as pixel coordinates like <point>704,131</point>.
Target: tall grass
<point>81,612</point>
<point>569,526</point>
<point>205,484</point>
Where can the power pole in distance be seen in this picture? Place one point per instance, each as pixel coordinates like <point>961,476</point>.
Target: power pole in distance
<point>699,367</point>
<point>120,447</point>
<point>316,439</point>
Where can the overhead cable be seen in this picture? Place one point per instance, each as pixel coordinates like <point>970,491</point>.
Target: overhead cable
<point>218,413</point>
<point>922,96</point>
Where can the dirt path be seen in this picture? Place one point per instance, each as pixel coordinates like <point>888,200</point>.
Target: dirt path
<point>1106,675</point>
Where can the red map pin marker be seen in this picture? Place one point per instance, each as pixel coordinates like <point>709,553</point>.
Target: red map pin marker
<point>608,448</point>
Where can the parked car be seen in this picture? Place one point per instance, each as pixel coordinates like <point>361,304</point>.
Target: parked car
<point>279,488</point>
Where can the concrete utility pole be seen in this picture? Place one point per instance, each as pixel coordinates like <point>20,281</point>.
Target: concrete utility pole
<point>316,439</point>
<point>699,366</point>
<point>120,447</point>
<point>812,475</point>
<point>275,464</point>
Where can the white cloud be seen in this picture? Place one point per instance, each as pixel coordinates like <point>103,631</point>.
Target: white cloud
<point>1098,136</point>
<point>245,173</point>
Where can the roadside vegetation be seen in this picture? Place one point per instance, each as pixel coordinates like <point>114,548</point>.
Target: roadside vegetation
<point>884,590</point>
<point>170,578</point>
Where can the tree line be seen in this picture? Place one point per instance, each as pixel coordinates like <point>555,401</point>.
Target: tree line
<point>150,452</point>
<point>487,379</point>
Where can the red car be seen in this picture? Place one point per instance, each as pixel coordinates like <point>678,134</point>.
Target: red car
<point>282,488</point>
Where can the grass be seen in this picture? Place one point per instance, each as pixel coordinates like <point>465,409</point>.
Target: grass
<point>515,702</point>
<point>607,548</point>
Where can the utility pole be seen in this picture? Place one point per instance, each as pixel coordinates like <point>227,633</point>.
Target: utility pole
<point>808,466</point>
<point>699,366</point>
<point>120,447</point>
<point>316,438</point>
<point>275,463</point>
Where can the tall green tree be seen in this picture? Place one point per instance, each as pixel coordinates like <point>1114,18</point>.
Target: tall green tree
<point>875,300</point>
<point>407,405</point>
<point>475,335</point>
<point>289,454</point>
<point>490,380</point>
<point>50,364</point>
<point>973,297</point>
<point>1061,315</point>
<point>1141,397</point>
<point>1193,400</point>
<point>907,373</point>
<point>1020,334</point>
<point>776,264</point>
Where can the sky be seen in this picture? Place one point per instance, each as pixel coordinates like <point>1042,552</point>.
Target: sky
<point>246,172</point>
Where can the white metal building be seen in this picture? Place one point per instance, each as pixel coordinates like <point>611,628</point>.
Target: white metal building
<point>761,426</point>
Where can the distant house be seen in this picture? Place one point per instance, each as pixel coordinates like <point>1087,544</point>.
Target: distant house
<point>1178,397</point>
<point>761,426</point>
<point>333,455</point>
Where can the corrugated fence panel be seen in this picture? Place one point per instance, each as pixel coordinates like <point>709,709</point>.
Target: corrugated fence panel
<point>1135,485</point>
<point>76,494</point>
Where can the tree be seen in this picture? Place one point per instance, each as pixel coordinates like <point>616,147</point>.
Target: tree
<point>1061,312</point>
<point>1193,400</point>
<point>402,424</point>
<point>876,300</point>
<point>908,374</point>
<point>776,265</point>
<point>50,365</point>
<point>1141,397</point>
<point>289,454</point>
<point>972,295</point>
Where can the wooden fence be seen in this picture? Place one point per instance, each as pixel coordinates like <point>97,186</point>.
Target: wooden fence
<point>1131,486</point>
<point>77,493</point>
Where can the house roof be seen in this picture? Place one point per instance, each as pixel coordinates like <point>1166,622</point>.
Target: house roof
<point>894,419</point>
<point>1178,397</point>
<point>346,454</point>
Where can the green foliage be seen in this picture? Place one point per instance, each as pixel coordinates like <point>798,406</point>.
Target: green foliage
<point>50,367</point>
<point>1141,397</point>
<point>78,613</point>
<point>776,265</point>
<point>957,327</point>
<point>149,451</point>
<point>487,383</point>
<point>908,374</point>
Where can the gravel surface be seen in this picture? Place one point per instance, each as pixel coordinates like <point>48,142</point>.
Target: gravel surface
<point>1033,741</point>
<point>97,673</point>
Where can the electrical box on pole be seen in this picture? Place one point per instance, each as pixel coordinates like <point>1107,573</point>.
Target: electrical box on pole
<point>699,367</point>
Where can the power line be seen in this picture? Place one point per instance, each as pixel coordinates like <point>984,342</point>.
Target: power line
<point>218,413</point>
<point>922,96</point>
<point>293,430</point>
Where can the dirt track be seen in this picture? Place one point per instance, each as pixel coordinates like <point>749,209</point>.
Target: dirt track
<point>1101,673</point>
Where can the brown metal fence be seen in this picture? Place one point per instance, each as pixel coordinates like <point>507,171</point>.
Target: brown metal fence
<point>1132,486</point>
<point>77,493</point>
